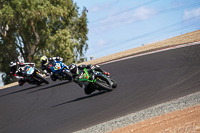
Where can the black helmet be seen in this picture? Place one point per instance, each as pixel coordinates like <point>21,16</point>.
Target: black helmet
<point>13,66</point>
<point>73,68</point>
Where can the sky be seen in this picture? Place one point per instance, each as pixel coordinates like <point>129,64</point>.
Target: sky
<point>118,25</point>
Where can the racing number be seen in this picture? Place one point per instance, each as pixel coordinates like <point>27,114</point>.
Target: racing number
<point>57,66</point>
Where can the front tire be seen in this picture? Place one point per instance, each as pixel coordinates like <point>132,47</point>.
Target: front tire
<point>53,78</point>
<point>103,83</point>
<point>42,78</point>
<point>69,75</point>
<point>114,83</point>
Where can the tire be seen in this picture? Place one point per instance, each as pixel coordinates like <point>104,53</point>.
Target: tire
<point>114,84</point>
<point>88,90</point>
<point>43,79</point>
<point>103,83</point>
<point>69,75</point>
<point>53,78</point>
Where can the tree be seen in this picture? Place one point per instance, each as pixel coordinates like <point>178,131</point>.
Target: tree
<point>32,28</point>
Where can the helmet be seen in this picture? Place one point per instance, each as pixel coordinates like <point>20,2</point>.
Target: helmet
<point>73,68</point>
<point>13,66</point>
<point>44,60</point>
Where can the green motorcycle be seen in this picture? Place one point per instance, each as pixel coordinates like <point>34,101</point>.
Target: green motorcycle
<point>94,80</point>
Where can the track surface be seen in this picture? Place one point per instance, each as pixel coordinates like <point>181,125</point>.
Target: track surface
<point>62,107</point>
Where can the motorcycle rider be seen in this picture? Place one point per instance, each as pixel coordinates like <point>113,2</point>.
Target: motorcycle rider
<point>16,69</point>
<point>78,72</point>
<point>45,62</point>
<point>45,66</point>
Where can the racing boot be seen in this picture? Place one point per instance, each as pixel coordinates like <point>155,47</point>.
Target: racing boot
<point>46,73</point>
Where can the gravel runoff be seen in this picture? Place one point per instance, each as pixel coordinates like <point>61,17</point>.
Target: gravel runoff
<point>177,104</point>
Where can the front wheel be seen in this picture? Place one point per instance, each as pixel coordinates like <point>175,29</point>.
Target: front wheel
<point>42,78</point>
<point>103,83</point>
<point>114,83</point>
<point>69,75</point>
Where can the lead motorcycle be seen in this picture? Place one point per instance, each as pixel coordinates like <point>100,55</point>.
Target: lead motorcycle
<point>60,71</point>
<point>34,76</point>
<point>95,80</point>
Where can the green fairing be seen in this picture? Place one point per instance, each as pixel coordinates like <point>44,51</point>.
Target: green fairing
<point>85,75</point>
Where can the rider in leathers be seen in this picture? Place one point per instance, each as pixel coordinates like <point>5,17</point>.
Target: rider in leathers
<point>45,65</point>
<point>16,69</point>
<point>77,72</point>
<point>45,62</point>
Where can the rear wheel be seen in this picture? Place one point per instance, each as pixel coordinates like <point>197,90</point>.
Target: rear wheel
<point>103,83</point>
<point>89,89</point>
<point>42,78</point>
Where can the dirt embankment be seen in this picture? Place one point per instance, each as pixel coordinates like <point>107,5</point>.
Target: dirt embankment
<point>181,121</point>
<point>185,38</point>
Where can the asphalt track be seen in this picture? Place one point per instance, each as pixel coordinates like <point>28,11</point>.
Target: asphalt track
<point>62,107</point>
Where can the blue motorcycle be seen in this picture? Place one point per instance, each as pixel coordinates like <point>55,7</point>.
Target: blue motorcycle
<point>60,71</point>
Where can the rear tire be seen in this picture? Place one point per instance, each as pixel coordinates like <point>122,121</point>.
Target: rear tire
<point>43,79</point>
<point>88,90</point>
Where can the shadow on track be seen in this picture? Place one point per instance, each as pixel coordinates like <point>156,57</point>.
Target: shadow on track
<point>81,98</point>
<point>49,87</point>
<point>19,91</point>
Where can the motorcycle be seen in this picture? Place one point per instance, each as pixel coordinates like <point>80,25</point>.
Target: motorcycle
<point>34,76</point>
<point>95,80</point>
<point>60,71</point>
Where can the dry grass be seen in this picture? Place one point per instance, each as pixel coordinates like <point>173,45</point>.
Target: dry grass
<point>180,121</point>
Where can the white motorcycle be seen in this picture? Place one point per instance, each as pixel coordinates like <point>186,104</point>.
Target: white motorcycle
<point>34,76</point>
